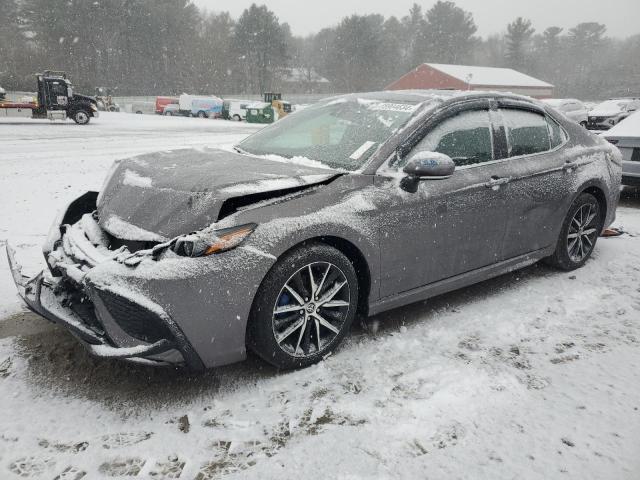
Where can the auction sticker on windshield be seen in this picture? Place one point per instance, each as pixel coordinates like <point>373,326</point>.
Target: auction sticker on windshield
<point>392,107</point>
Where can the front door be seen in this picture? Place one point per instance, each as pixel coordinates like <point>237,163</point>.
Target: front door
<point>57,95</point>
<point>449,226</point>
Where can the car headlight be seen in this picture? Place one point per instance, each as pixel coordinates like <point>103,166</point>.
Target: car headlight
<point>94,107</point>
<point>210,242</point>
<point>612,121</point>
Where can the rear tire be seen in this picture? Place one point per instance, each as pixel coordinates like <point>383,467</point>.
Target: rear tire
<point>315,315</point>
<point>580,231</point>
<point>237,118</point>
<point>202,114</point>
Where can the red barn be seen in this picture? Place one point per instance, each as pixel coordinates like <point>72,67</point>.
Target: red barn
<point>462,77</point>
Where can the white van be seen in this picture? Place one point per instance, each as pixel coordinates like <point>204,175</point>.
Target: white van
<point>233,109</point>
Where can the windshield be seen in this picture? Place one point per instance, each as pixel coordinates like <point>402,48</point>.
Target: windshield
<point>341,133</point>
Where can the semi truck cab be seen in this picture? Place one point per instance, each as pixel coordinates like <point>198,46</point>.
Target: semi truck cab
<point>55,101</point>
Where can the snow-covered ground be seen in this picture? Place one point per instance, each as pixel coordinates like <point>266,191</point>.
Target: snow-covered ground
<point>533,375</point>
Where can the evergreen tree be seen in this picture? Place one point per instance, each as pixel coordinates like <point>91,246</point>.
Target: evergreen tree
<point>449,33</point>
<point>259,47</point>
<point>519,33</point>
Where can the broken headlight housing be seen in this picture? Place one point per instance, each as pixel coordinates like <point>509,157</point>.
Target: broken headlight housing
<point>209,241</point>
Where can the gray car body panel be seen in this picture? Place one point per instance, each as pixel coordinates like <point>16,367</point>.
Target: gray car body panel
<point>414,245</point>
<point>630,168</point>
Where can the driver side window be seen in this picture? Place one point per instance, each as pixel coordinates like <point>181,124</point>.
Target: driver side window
<point>465,137</point>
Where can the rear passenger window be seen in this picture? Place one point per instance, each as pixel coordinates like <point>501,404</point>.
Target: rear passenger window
<point>466,138</point>
<point>557,133</point>
<point>527,132</point>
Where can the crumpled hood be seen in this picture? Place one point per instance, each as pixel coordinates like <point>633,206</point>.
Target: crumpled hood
<point>158,196</point>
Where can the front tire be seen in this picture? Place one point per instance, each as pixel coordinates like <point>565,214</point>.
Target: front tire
<point>81,117</point>
<point>202,114</point>
<point>579,233</point>
<point>237,118</point>
<point>304,307</point>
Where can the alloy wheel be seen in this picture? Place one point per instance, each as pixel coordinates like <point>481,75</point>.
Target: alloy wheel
<point>583,231</point>
<point>311,309</point>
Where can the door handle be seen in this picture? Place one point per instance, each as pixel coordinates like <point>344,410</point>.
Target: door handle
<point>569,165</point>
<point>495,182</point>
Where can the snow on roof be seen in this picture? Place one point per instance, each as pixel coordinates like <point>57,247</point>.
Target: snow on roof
<point>489,76</point>
<point>629,127</point>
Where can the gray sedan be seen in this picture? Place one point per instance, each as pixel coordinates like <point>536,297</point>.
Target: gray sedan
<point>359,204</point>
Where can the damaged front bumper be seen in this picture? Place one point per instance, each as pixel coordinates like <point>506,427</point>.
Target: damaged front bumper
<point>109,322</point>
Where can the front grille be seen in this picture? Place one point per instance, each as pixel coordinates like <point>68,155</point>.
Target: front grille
<point>135,320</point>
<point>74,298</point>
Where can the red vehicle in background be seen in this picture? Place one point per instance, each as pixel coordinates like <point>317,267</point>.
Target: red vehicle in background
<point>162,102</point>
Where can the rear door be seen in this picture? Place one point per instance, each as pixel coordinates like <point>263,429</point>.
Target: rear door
<point>541,178</point>
<point>451,226</point>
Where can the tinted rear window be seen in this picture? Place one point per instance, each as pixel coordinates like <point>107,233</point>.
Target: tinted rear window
<point>527,132</point>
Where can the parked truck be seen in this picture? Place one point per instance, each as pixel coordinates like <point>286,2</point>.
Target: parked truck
<point>55,101</point>
<point>202,107</point>
<point>162,102</point>
<point>272,109</point>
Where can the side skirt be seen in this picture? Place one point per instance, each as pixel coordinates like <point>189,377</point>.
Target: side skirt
<point>458,281</point>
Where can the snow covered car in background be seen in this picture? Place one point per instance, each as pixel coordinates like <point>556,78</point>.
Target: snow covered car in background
<point>626,136</point>
<point>171,109</point>
<point>607,114</point>
<point>358,204</point>
<point>572,108</point>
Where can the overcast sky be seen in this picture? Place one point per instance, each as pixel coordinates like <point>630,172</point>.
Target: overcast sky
<point>620,16</point>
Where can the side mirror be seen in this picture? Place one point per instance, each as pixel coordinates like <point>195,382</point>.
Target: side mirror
<point>426,166</point>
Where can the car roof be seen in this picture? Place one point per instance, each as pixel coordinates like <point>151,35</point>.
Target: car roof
<point>419,96</point>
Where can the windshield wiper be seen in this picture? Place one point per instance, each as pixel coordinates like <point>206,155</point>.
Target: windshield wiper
<point>239,150</point>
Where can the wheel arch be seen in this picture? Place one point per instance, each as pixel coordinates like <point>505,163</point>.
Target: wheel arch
<point>360,264</point>
<point>600,195</point>
<point>355,256</point>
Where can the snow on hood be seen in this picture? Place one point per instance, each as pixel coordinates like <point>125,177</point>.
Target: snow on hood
<point>161,195</point>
